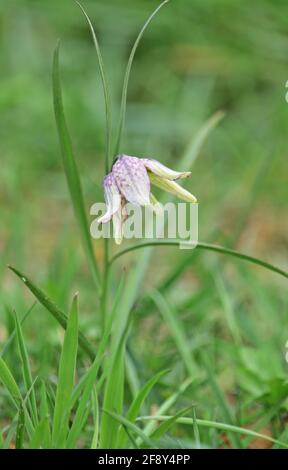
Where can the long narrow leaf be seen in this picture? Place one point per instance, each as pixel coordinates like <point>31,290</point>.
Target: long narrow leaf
<point>65,379</point>
<point>26,371</point>
<point>12,336</point>
<point>105,86</point>
<point>166,405</point>
<point>135,406</point>
<point>71,171</point>
<point>80,412</point>
<point>8,381</point>
<point>216,425</point>
<point>166,425</point>
<point>126,423</point>
<point>127,75</point>
<point>177,333</point>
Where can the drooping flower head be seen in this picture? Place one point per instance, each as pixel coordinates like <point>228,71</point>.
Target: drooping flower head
<point>130,181</point>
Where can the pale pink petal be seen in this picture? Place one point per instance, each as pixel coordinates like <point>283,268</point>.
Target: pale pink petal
<point>132,179</point>
<point>112,198</point>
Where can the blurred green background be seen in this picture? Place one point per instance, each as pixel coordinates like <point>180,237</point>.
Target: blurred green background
<point>197,57</point>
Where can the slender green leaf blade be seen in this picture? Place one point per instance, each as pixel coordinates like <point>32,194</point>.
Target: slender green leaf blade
<point>65,379</point>
<point>127,76</point>
<point>71,171</point>
<point>126,423</point>
<point>27,375</point>
<point>166,425</point>
<point>80,412</point>
<point>105,87</point>
<point>135,406</point>
<point>8,381</point>
<point>177,332</point>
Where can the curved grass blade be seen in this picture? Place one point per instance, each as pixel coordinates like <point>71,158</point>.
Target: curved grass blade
<point>205,246</point>
<point>127,75</point>
<point>177,332</point>
<point>132,427</point>
<point>65,379</point>
<point>10,430</point>
<point>57,313</point>
<point>166,425</point>
<point>8,381</point>
<point>12,336</point>
<point>135,406</point>
<point>221,399</point>
<point>105,89</point>
<point>166,405</point>
<point>71,171</point>
<point>78,420</point>
<point>194,146</point>
<point>217,425</point>
<point>27,376</point>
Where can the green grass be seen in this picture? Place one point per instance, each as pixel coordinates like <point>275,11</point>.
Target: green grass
<point>162,347</point>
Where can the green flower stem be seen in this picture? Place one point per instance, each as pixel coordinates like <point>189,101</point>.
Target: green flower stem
<point>105,284</point>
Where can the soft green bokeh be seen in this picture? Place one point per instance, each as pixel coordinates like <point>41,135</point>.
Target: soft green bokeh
<point>197,57</point>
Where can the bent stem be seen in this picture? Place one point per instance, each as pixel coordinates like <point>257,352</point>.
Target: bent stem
<point>204,246</point>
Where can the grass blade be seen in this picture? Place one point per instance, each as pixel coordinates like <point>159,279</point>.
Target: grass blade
<point>216,425</point>
<point>71,171</point>
<point>12,336</point>
<point>166,425</point>
<point>196,143</point>
<point>166,405</point>
<point>221,399</point>
<point>177,332</point>
<point>27,376</point>
<point>78,420</point>
<point>135,406</point>
<point>127,75</point>
<point>57,313</point>
<point>132,427</point>
<point>8,381</point>
<point>105,89</point>
<point>65,379</point>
